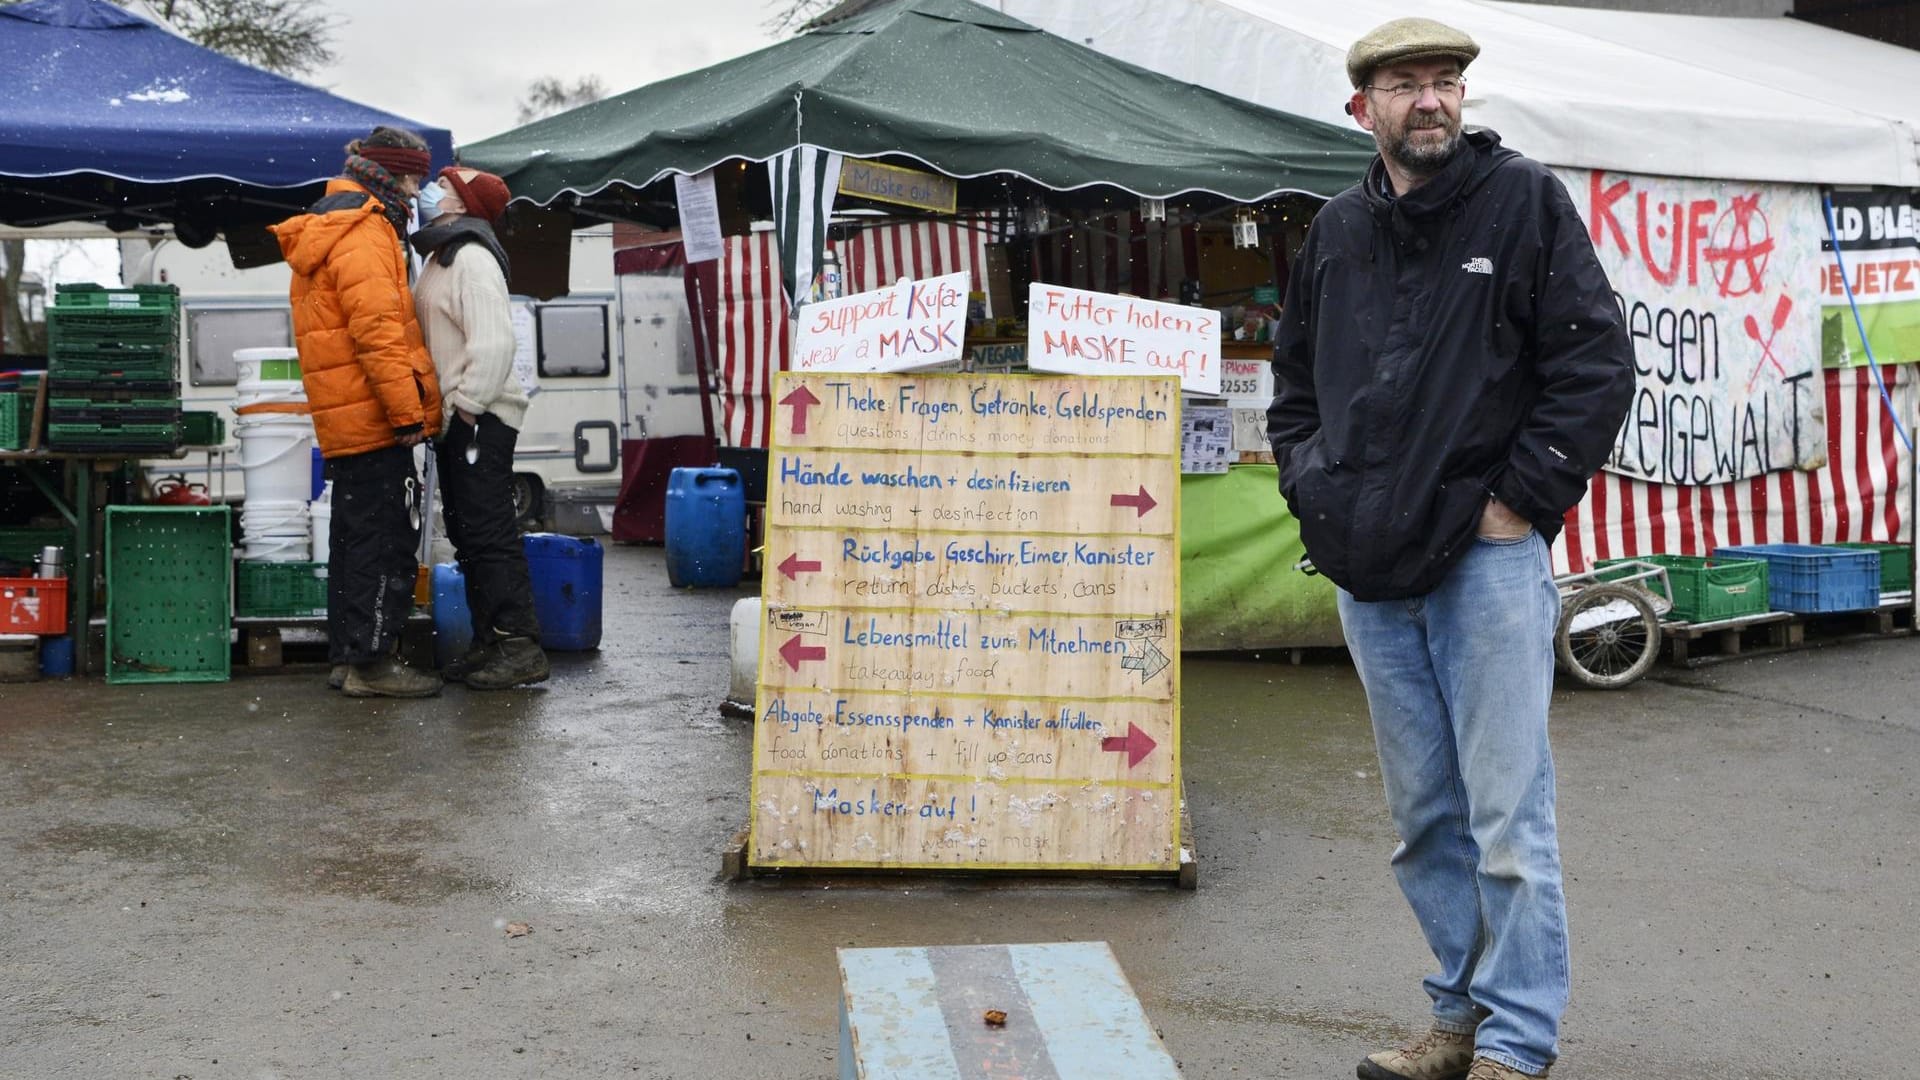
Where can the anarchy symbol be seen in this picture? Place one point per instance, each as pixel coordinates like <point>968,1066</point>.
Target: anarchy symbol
<point>1741,246</point>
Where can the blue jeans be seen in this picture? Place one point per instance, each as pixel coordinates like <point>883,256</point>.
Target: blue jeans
<point>1458,682</point>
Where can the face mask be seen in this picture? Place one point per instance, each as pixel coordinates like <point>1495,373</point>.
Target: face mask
<point>428,202</point>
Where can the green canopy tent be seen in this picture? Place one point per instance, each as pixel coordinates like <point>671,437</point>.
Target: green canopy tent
<point>959,87</point>
<point>1015,115</point>
<point>948,85</point>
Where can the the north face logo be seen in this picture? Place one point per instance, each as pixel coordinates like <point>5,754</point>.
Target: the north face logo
<point>1478,266</point>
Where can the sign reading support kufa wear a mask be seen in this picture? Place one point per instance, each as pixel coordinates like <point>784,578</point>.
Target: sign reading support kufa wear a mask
<point>908,326</point>
<point>1716,284</point>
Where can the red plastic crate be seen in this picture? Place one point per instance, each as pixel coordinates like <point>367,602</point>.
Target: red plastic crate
<point>33,606</point>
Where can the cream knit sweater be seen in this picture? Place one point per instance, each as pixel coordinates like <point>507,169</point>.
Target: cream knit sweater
<point>464,314</point>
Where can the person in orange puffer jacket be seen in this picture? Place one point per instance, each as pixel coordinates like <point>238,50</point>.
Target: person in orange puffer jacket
<point>374,396</point>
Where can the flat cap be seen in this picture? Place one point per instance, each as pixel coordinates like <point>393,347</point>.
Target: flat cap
<point>1407,39</point>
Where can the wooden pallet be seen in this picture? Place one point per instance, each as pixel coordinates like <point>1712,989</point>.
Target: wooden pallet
<point>735,867</point>
<point>270,644</point>
<point>1697,644</point>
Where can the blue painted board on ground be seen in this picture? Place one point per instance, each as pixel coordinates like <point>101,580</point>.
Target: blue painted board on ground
<point>920,1014</point>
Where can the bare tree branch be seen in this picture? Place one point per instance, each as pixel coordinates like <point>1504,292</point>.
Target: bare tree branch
<point>291,37</point>
<point>788,16</point>
<point>547,95</point>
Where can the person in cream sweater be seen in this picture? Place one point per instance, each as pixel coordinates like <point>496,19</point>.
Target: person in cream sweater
<point>461,301</point>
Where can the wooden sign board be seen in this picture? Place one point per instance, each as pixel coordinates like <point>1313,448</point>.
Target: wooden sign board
<point>1088,333</point>
<point>903,327</point>
<point>971,655</point>
<point>901,187</point>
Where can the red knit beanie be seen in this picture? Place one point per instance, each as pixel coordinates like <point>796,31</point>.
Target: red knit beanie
<point>399,160</point>
<point>486,195</point>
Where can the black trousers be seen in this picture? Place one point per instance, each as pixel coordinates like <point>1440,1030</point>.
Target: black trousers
<point>373,559</point>
<point>477,502</point>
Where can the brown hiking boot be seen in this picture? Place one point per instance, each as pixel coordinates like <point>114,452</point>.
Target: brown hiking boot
<point>337,677</point>
<point>515,661</point>
<point>1486,1069</point>
<point>388,677</point>
<point>1437,1055</point>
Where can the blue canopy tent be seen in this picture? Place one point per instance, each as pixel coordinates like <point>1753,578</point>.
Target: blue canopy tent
<point>109,118</point>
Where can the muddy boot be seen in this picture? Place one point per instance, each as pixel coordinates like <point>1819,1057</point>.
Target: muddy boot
<point>1487,1069</point>
<point>460,667</point>
<point>337,677</point>
<point>517,661</point>
<point>388,677</point>
<point>1437,1055</point>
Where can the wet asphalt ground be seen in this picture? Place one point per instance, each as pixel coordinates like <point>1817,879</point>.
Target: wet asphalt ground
<point>263,879</point>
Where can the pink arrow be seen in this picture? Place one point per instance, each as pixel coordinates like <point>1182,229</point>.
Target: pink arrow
<point>801,399</point>
<point>1136,744</point>
<point>794,565</point>
<point>1141,503</point>
<point>793,652</point>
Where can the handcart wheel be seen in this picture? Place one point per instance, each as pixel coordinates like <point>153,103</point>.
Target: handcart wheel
<point>1609,635</point>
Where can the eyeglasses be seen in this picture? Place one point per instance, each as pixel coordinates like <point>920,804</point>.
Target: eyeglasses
<point>1445,88</point>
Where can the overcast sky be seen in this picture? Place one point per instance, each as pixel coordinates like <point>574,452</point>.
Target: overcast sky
<point>464,66</point>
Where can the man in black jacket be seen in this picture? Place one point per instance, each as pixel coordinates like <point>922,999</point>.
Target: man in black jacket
<point>1451,370</point>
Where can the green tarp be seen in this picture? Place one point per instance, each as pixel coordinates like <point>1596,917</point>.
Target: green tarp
<point>1238,587</point>
<point>960,87</point>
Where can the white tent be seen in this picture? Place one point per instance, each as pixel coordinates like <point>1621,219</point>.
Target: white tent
<point>1674,95</point>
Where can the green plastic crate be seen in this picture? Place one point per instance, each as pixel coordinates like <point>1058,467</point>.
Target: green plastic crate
<point>143,369</point>
<point>280,590</point>
<point>114,438</point>
<point>79,355</point>
<point>111,326</point>
<point>1705,590</point>
<point>1896,564</point>
<point>202,429</point>
<point>114,391</point>
<point>114,413</point>
<point>80,296</point>
<point>169,591</point>
<point>13,432</point>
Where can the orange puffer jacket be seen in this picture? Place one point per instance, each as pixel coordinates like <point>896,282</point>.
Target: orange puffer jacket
<point>366,368</point>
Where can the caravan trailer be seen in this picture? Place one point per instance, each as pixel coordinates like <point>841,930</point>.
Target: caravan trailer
<point>610,361</point>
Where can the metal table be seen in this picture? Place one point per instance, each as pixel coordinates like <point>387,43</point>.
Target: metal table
<point>74,496</point>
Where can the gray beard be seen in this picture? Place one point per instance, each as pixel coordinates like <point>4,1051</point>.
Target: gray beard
<point>1422,160</point>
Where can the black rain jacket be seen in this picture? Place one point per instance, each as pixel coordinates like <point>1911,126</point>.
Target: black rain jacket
<point>1458,342</point>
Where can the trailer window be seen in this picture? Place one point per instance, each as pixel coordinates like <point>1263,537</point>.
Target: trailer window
<point>573,340</point>
<point>215,333</point>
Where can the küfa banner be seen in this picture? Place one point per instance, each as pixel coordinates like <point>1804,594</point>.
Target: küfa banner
<point>903,327</point>
<point>1880,245</point>
<point>1717,285</point>
<point>1076,332</point>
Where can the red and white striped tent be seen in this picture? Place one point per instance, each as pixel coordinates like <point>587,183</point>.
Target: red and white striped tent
<point>753,337</point>
<point>1861,494</point>
<point>1113,253</point>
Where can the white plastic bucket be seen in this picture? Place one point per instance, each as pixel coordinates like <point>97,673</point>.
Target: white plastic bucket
<point>276,549</point>
<point>268,377</point>
<point>321,520</point>
<point>275,367</point>
<point>265,516</point>
<point>743,632</point>
<point>276,454</point>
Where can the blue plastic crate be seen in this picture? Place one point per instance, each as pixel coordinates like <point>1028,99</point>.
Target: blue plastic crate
<point>1811,578</point>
